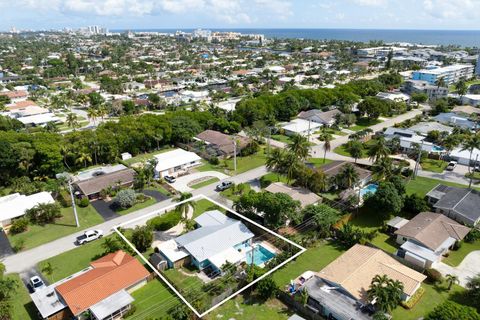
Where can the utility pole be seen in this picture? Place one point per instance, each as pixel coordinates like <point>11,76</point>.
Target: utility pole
<point>417,164</point>
<point>308,135</point>
<point>234,156</point>
<point>73,203</point>
<point>473,172</point>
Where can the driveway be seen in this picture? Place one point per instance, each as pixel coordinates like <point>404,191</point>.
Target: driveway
<point>158,196</point>
<point>5,247</point>
<point>466,270</point>
<point>103,209</point>
<point>182,183</point>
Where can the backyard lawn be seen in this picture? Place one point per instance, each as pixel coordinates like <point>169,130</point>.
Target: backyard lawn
<point>421,186</point>
<point>433,165</point>
<point>314,259</point>
<point>182,281</point>
<point>455,257</point>
<point>22,306</point>
<point>153,300</point>
<point>343,152</point>
<point>37,235</point>
<point>364,123</point>
<point>204,183</point>
<point>243,164</point>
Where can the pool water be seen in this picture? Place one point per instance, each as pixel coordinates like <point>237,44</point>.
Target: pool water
<point>370,188</point>
<point>437,148</point>
<point>260,255</point>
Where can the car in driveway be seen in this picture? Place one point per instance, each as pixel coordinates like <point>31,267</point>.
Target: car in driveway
<point>224,185</point>
<point>451,165</point>
<point>170,179</point>
<point>88,236</point>
<point>36,283</point>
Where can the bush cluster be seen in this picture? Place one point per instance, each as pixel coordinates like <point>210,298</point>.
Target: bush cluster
<point>166,221</point>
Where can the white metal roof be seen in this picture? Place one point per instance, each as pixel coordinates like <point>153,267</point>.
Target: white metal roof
<point>108,306</point>
<point>231,255</point>
<point>171,251</point>
<point>39,118</point>
<point>13,206</point>
<point>175,158</point>
<point>300,125</point>
<point>420,251</point>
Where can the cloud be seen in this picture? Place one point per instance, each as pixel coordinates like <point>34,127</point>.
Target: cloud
<point>280,7</point>
<point>452,9</point>
<point>371,3</point>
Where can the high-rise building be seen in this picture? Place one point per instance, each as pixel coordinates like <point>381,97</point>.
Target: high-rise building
<point>449,74</point>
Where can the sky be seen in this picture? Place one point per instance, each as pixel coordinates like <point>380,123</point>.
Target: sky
<point>177,14</point>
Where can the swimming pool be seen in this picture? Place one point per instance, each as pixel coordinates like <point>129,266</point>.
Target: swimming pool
<point>370,188</point>
<point>436,148</point>
<point>260,255</point>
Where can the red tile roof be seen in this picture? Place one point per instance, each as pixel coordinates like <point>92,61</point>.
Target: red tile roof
<point>110,274</point>
<point>14,94</point>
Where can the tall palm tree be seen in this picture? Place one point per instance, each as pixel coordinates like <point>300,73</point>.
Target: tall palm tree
<point>326,144</point>
<point>382,168</point>
<point>355,149</point>
<point>290,165</point>
<point>440,82</point>
<point>275,161</point>
<point>84,157</point>
<point>92,114</point>
<point>472,143</point>
<point>451,279</point>
<point>51,127</point>
<point>299,146</point>
<point>348,176</point>
<point>72,120</point>
<point>378,149</point>
<point>184,207</point>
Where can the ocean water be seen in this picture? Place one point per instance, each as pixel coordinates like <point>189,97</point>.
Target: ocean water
<point>464,38</point>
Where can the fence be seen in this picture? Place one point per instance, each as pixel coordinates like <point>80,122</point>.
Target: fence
<point>298,307</point>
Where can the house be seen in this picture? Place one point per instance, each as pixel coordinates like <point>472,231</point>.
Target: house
<point>14,205</point>
<point>15,96</point>
<point>460,204</point>
<point>221,143</point>
<point>216,240</point>
<point>305,196</point>
<point>335,167</point>
<point>101,291</point>
<point>301,127</point>
<point>409,140</point>
<point>467,110</point>
<point>394,96</point>
<point>326,118</point>
<point>453,119</point>
<point>175,162</point>
<point>339,291</point>
<point>101,180</point>
<point>423,128</point>
<point>427,237</point>
<point>471,99</point>
<point>464,156</point>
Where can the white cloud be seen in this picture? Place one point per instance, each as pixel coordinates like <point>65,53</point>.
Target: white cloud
<point>180,6</point>
<point>452,9</point>
<point>280,7</point>
<point>371,3</point>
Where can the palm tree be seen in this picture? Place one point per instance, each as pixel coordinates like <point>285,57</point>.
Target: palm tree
<point>48,269</point>
<point>355,149</point>
<point>299,146</point>
<point>387,293</point>
<point>291,165</point>
<point>275,161</point>
<point>72,120</point>
<point>382,168</point>
<point>92,114</point>
<point>84,157</point>
<point>102,111</point>
<point>440,82</point>
<point>65,151</point>
<point>461,87</point>
<point>348,176</point>
<point>472,143</point>
<point>378,149</point>
<point>184,206</point>
<point>451,279</point>
<point>326,144</point>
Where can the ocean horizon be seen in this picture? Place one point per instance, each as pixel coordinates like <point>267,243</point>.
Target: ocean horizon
<point>463,38</point>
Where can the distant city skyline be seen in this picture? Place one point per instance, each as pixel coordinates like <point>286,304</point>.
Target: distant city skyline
<point>172,14</point>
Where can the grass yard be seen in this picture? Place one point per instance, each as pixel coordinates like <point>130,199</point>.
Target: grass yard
<point>343,152</point>
<point>160,189</point>
<point>281,138</point>
<point>72,261</point>
<point>22,306</point>
<point>314,259</point>
<point>182,281</point>
<point>248,308</point>
<point>456,257</point>
<point>364,123</point>
<point>37,235</point>
<point>153,300</point>
<point>229,194</point>
<point>318,162</point>
<point>203,205</point>
<point>421,185</point>
<point>147,156</point>
<point>433,296</point>
<point>137,206</point>
<point>433,165</point>
<point>385,242</point>
<point>204,183</point>
<point>272,177</point>
<point>243,164</point>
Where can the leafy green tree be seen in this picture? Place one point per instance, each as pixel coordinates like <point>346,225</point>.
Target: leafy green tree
<point>415,204</point>
<point>323,216</point>
<point>449,310</point>
<point>125,198</point>
<point>354,149</point>
<point>419,97</point>
<point>142,238</point>
<point>473,291</point>
<point>43,213</point>
<point>386,292</point>
<point>386,199</point>
<point>266,288</point>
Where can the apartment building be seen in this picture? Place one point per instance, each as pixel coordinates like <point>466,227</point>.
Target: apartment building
<point>450,74</point>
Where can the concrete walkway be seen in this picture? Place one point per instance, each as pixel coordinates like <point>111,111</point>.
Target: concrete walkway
<point>466,270</point>
<point>182,183</point>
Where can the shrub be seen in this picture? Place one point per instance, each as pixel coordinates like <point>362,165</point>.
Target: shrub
<point>414,299</point>
<point>19,226</point>
<point>473,235</point>
<point>166,221</point>
<point>415,204</point>
<point>142,238</point>
<point>125,198</point>
<point>266,288</point>
<point>457,245</point>
<point>214,161</point>
<point>451,310</point>
<point>43,213</point>
<point>434,275</point>
<point>65,198</point>
<point>83,203</point>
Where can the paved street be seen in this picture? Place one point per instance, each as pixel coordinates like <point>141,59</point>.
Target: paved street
<point>28,259</point>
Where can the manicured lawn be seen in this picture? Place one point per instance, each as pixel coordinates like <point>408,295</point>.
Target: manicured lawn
<point>22,306</point>
<point>203,205</point>
<point>433,165</point>
<point>204,183</point>
<point>138,206</point>
<point>72,261</point>
<point>281,138</point>
<point>421,186</point>
<point>385,242</point>
<point>272,177</point>
<point>153,300</point>
<point>318,162</point>
<point>433,296</point>
<point>367,220</point>
<point>243,164</point>
<point>181,281</point>
<point>37,235</point>
<point>234,196</point>
<point>456,257</point>
<point>341,151</point>
<point>160,189</point>
<point>147,156</point>
<point>333,132</point>
<point>241,308</point>
<point>363,123</point>
<point>314,259</point>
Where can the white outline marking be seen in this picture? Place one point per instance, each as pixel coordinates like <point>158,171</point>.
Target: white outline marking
<point>157,212</point>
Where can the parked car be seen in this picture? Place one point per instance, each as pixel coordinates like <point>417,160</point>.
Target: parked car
<point>36,283</point>
<point>451,165</point>
<point>224,185</point>
<point>89,235</point>
<point>476,168</point>
<point>169,179</point>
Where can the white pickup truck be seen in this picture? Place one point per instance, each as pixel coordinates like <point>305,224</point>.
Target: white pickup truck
<point>89,235</point>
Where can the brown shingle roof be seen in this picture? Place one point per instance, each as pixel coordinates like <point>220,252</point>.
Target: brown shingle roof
<point>432,229</point>
<point>222,141</point>
<point>97,184</point>
<point>355,269</point>
<point>303,195</point>
<point>110,274</point>
<point>334,168</point>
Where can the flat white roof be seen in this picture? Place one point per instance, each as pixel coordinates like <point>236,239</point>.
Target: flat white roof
<point>39,118</point>
<point>458,153</point>
<point>175,158</point>
<point>14,206</point>
<point>171,251</point>
<point>231,255</point>
<point>300,125</point>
